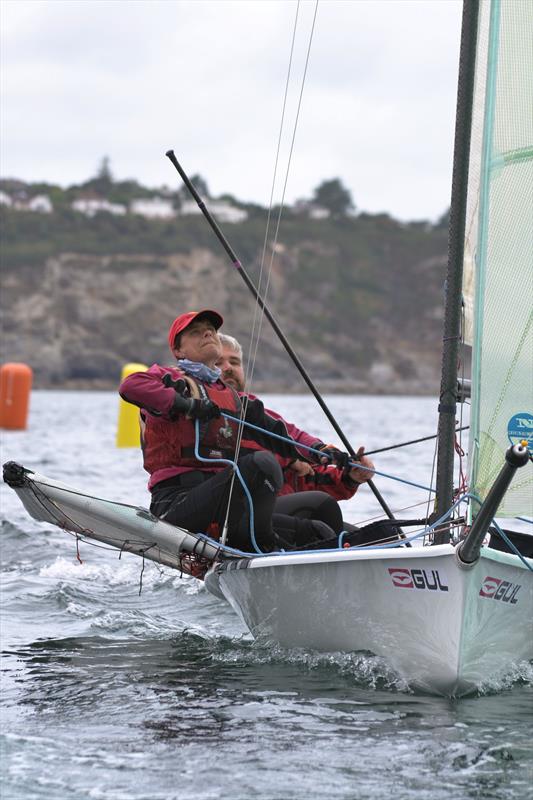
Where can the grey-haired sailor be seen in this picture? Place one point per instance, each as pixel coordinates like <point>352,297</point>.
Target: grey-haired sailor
<point>343,483</point>
<point>309,490</point>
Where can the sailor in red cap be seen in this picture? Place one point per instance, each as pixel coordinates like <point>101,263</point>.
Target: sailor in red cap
<point>189,481</point>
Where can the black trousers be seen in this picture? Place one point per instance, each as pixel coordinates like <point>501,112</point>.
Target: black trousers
<point>311,505</point>
<point>195,500</point>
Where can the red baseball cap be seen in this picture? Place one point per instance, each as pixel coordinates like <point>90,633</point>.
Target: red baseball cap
<point>183,321</point>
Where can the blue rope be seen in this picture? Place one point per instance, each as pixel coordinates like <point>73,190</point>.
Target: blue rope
<point>321,454</point>
<point>510,544</point>
<point>469,496</point>
<point>428,529</point>
<point>237,471</point>
<point>525,519</point>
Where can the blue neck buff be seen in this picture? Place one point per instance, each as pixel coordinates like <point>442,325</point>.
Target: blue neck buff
<point>198,370</point>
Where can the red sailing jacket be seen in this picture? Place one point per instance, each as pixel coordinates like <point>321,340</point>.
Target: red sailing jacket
<point>327,478</point>
<point>168,441</point>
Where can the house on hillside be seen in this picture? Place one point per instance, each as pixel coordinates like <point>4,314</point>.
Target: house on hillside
<point>21,201</point>
<point>153,208</point>
<point>5,199</point>
<point>90,206</point>
<point>40,203</point>
<point>222,210</point>
<point>306,208</point>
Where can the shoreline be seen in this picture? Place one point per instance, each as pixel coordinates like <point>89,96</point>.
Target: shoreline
<point>399,388</point>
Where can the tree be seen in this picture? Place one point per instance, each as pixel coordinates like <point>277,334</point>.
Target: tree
<point>183,194</point>
<point>103,180</point>
<point>200,185</point>
<point>335,197</point>
<point>443,222</point>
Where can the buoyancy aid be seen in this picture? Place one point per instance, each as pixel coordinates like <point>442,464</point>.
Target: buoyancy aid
<point>171,443</point>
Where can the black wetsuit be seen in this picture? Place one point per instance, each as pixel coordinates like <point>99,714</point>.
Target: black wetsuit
<point>198,500</point>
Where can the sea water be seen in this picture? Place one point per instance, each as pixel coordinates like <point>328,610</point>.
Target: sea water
<point>115,695</point>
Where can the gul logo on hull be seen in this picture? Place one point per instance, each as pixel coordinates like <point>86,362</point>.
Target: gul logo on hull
<point>497,589</point>
<point>430,579</point>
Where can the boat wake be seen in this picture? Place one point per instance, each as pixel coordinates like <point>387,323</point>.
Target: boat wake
<point>519,674</point>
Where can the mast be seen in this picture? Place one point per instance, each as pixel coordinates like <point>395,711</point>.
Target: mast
<point>454,275</point>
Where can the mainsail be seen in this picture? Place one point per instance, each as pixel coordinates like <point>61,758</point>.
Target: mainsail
<point>498,268</point>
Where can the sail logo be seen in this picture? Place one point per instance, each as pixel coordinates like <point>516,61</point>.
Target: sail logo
<point>496,589</point>
<point>520,428</point>
<point>432,580</point>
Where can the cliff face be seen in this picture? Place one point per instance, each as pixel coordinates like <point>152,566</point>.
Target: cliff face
<point>367,318</point>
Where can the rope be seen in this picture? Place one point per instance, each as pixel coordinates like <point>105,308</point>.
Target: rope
<point>233,551</point>
<point>411,441</point>
<point>236,471</point>
<point>321,454</point>
<point>510,544</point>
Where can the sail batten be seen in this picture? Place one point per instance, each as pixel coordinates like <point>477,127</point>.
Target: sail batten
<point>498,275</point>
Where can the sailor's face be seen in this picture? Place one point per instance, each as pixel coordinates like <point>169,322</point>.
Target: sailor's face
<point>230,363</point>
<point>199,342</point>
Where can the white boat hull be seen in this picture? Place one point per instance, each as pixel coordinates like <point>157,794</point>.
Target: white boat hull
<point>442,627</point>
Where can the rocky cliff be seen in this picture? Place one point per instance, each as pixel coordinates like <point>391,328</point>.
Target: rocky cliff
<point>359,300</point>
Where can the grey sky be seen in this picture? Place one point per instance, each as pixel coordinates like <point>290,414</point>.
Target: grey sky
<point>86,78</point>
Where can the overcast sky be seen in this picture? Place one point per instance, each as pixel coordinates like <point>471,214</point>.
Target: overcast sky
<point>86,78</point>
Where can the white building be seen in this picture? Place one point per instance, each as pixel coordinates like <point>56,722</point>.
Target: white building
<point>5,199</point>
<point>223,211</point>
<point>153,208</point>
<point>40,203</point>
<point>318,212</point>
<point>91,206</point>
<point>306,208</point>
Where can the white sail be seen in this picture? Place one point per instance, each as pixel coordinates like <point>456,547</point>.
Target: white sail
<point>498,278</point>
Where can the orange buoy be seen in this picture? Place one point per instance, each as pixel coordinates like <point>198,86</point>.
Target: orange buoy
<point>15,388</point>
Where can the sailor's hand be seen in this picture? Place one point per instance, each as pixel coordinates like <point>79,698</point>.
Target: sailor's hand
<point>358,475</point>
<point>301,468</point>
<point>203,409</point>
<point>332,455</point>
<point>192,408</point>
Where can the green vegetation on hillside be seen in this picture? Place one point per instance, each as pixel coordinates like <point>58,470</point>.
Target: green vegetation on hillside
<point>355,293</point>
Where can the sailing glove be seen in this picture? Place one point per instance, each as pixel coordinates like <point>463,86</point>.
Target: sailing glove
<point>194,409</point>
<point>203,409</point>
<point>332,454</point>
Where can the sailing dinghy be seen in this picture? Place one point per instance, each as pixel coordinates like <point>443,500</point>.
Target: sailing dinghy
<point>453,614</point>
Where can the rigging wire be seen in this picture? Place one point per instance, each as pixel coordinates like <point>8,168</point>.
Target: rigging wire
<point>463,480</point>
<point>250,364</point>
<point>321,454</point>
<point>405,444</point>
<point>432,477</point>
<point>437,524</point>
<point>256,318</point>
<point>281,206</point>
<point>259,309</point>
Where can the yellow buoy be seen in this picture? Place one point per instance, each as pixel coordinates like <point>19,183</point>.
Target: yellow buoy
<point>15,388</point>
<point>128,431</point>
